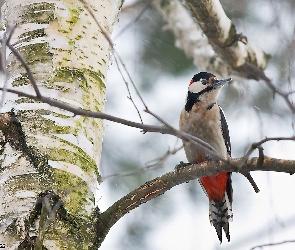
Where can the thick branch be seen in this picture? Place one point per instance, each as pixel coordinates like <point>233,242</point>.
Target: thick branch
<point>190,38</point>
<point>246,58</point>
<point>160,185</point>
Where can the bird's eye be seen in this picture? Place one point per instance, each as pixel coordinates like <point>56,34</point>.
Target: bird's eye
<point>204,81</point>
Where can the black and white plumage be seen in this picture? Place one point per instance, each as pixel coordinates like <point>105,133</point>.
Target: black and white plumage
<point>203,118</point>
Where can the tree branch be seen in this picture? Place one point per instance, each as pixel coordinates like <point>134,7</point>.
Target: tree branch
<point>189,37</point>
<point>257,145</point>
<point>20,58</point>
<point>160,185</point>
<point>273,244</point>
<point>245,59</point>
<point>146,128</point>
<point>222,35</point>
<point>152,164</point>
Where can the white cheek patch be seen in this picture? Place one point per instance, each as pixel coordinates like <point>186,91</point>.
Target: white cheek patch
<point>196,87</point>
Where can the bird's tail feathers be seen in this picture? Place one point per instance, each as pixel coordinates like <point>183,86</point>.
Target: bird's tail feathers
<point>220,213</point>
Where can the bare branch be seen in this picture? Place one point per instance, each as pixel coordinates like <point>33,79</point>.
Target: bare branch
<point>189,37</point>
<point>160,160</point>
<point>146,128</point>
<point>4,41</point>
<point>129,76</point>
<point>260,161</point>
<point>27,68</point>
<point>160,185</point>
<point>148,166</point>
<point>3,66</point>
<point>127,86</point>
<point>252,182</point>
<point>86,5</point>
<point>148,5</point>
<point>222,35</point>
<point>273,244</point>
<point>275,90</point>
<point>257,145</point>
<point>115,52</point>
<point>237,55</point>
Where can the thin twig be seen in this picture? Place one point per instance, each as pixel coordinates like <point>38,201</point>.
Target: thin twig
<point>252,182</point>
<point>260,156</point>
<point>214,154</point>
<point>133,21</point>
<point>289,74</point>
<point>148,166</point>
<point>27,68</point>
<point>3,64</point>
<point>159,119</point>
<point>147,128</point>
<point>127,86</point>
<point>284,95</point>
<point>5,40</point>
<point>259,74</point>
<point>273,244</point>
<point>107,37</point>
<point>256,145</point>
<point>160,160</point>
<point>130,78</point>
<point>97,23</point>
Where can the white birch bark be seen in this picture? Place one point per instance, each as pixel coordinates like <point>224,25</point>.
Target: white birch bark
<point>68,56</point>
<point>190,38</point>
<point>207,35</point>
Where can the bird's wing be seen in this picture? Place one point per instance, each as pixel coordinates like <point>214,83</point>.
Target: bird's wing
<point>226,138</point>
<point>225,131</point>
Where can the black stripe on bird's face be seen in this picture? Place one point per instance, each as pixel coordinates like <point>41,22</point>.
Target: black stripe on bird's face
<point>192,98</point>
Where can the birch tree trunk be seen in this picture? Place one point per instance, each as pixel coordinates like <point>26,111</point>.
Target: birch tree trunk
<point>47,154</point>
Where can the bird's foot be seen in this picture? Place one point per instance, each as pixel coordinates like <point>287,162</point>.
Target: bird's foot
<point>208,157</point>
<point>181,165</point>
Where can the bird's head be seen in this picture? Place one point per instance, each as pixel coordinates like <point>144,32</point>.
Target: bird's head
<point>204,88</point>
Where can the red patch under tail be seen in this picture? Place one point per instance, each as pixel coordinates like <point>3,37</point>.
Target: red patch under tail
<point>220,210</point>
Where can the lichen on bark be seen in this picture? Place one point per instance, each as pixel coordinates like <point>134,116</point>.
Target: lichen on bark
<point>68,57</point>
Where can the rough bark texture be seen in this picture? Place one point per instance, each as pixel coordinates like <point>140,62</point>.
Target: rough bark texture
<point>49,157</point>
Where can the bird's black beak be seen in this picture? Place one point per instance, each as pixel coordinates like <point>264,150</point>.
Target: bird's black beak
<point>220,83</point>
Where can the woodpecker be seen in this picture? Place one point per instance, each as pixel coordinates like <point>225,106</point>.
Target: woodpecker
<point>203,118</point>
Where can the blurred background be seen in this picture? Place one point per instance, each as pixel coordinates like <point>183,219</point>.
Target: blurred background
<point>179,218</point>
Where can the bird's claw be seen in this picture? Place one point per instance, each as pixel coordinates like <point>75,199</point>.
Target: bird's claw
<point>181,165</point>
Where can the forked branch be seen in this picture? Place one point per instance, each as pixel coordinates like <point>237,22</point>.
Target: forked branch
<point>160,185</point>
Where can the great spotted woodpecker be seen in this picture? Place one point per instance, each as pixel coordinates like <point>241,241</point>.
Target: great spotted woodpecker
<point>203,118</point>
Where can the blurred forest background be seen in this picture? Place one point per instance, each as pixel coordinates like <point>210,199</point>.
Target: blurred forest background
<point>179,218</point>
